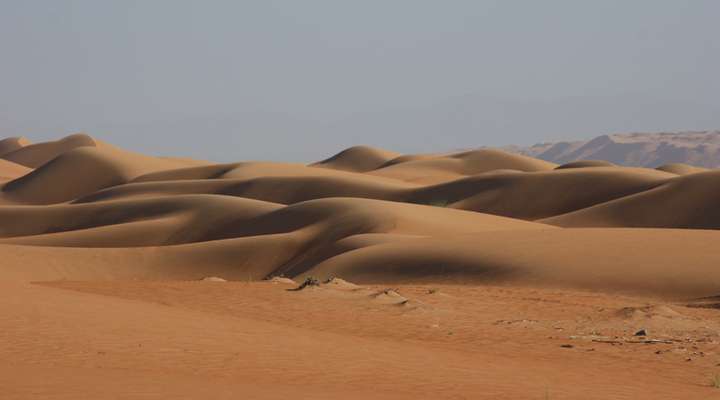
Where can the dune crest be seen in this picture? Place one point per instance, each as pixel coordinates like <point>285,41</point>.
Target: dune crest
<point>680,168</point>
<point>442,168</point>
<point>480,216</point>
<point>9,170</point>
<point>358,159</point>
<point>11,144</point>
<point>37,154</point>
<point>687,201</point>
<point>81,170</point>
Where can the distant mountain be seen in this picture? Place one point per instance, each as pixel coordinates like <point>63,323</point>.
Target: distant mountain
<point>698,148</point>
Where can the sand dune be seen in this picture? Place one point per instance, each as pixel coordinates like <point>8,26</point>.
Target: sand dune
<point>680,168</point>
<point>643,261</point>
<point>49,224</point>
<point>449,167</point>
<point>640,260</point>
<point>541,194</point>
<point>11,144</point>
<point>277,189</point>
<point>80,171</point>
<point>37,154</point>
<point>195,218</point>
<point>142,275</point>
<point>9,170</point>
<point>688,201</point>
<point>499,192</point>
<point>358,159</point>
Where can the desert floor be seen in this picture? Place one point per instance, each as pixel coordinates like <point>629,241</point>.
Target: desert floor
<point>135,339</point>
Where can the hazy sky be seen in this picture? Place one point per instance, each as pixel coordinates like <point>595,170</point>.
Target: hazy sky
<point>299,80</point>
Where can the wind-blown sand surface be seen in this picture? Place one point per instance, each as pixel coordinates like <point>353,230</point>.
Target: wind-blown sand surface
<point>478,274</point>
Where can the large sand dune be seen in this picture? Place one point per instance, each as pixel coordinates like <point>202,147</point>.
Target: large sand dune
<point>34,155</point>
<point>688,201</point>
<point>10,171</point>
<point>117,233</point>
<point>84,193</point>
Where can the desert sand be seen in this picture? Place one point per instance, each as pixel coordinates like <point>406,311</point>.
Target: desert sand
<point>479,274</point>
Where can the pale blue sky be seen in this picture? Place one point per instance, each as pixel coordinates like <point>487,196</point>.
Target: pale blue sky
<point>298,80</point>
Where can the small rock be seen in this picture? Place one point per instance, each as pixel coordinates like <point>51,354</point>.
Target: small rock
<point>641,332</point>
<point>309,282</point>
<point>567,346</point>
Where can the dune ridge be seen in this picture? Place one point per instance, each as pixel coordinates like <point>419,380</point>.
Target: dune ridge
<point>11,144</point>
<point>367,214</point>
<point>11,171</point>
<point>358,159</point>
<point>33,155</point>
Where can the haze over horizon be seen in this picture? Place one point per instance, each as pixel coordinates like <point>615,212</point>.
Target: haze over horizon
<point>274,80</point>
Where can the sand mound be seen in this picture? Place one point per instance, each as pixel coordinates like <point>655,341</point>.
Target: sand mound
<point>215,171</point>
<point>35,155</point>
<point>388,296</point>
<point>141,222</point>
<point>687,201</point>
<point>197,218</point>
<point>9,170</point>
<point>341,284</point>
<point>667,263</point>
<point>358,159</point>
<point>652,260</point>
<point>409,157</point>
<point>499,192</point>
<point>454,166</point>
<point>586,164</point>
<point>79,172</point>
<point>245,170</point>
<point>541,194</point>
<point>436,217</point>
<point>647,312</point>
<point>680,169</point>
<point>11,144</point>
<point>277,189</point>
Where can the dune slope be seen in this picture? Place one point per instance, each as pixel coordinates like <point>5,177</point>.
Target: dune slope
<point>358,159</point>
<point>688,201</point>
<point>81,171</point>
<point>37,154</point>
<point>11,144</point>
<point>368,214</point>
<point>9,170</point>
